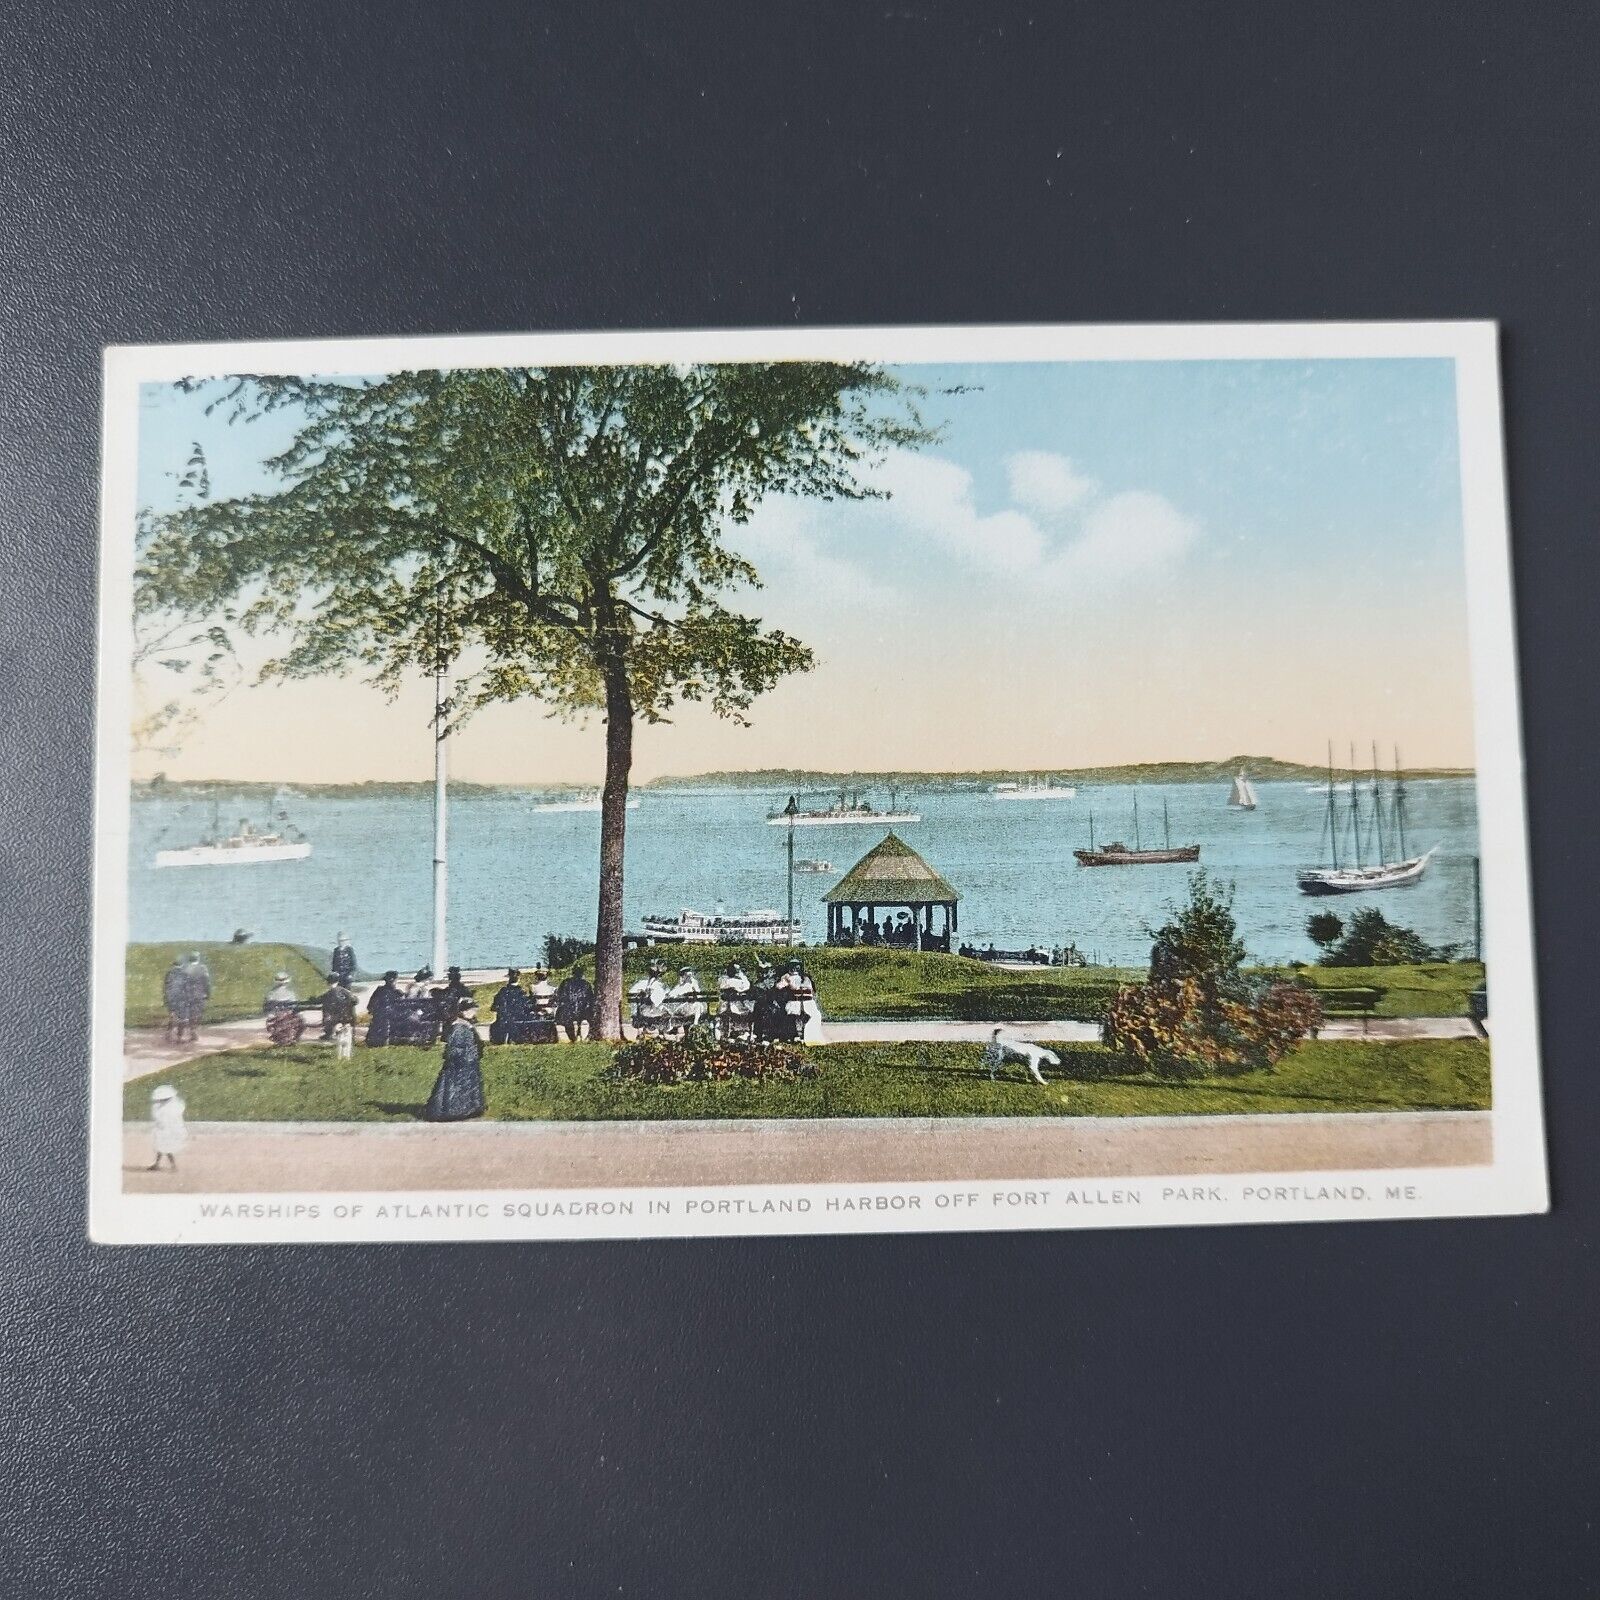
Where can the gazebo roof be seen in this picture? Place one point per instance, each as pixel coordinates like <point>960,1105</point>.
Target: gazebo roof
<point>891,873</point>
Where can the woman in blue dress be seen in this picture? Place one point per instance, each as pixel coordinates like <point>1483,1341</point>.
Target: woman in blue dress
<point>458,1090</point>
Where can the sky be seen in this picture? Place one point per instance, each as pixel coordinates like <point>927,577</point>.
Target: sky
<point>1096,563</point>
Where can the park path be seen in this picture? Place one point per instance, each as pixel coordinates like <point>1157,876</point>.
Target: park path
<point>266,1158</point>
<point>145,1051</point>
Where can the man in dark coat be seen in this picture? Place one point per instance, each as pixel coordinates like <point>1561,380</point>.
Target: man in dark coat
<point>766,1005</point>
<point>174,989</point>
<point>384,1009</point>
<point>343,961</point>
<point>455,991</point>
<point>575,1004</point>
<point>510,1007</point>
<point>338,1003</point>
<point>196,991</point>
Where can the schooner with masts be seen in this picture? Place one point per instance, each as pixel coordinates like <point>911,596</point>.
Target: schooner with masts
<point>1119,855</point>
<point>1393,867</point>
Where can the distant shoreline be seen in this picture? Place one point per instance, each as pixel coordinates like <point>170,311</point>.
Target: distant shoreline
<point>1263,769</point>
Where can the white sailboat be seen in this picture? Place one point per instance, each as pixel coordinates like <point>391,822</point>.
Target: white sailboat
<point>1394,868</point>
<point>1242,797</point>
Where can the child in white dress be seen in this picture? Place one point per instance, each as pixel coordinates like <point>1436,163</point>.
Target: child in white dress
<point>167,1132</point>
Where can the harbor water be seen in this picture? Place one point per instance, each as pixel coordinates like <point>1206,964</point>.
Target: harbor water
<point>518,873</point>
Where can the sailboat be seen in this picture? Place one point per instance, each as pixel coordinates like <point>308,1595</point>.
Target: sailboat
<point>1118,854</point>
<point>1355,876</point>
<point>1242,797</point>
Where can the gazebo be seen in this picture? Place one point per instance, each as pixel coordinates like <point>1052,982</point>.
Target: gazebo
<point>891,877</point>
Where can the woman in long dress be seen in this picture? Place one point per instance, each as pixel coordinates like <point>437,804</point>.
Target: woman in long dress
<point>458,1090</point>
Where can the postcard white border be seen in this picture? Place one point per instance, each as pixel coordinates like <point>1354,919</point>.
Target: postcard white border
<point>1515,1182</point>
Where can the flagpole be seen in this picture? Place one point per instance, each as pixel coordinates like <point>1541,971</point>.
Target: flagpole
<point>441,798</point>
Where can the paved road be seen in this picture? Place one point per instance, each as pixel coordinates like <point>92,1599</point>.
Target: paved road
<point>278,1157</point>
<point>145,1051</point>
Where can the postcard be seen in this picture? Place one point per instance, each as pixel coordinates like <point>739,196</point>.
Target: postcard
<point>669,784</point>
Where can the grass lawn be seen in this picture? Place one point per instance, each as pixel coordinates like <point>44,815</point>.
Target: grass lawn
<point>910,983</point>
<point>241,974</point>
<point>850,983</point>
<point>569,1083</point>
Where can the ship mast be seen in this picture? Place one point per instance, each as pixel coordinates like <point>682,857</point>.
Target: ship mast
<point>1377,807</point>
<point>1136,844</point>
<point>1399,805</point>
<point>1333,820</point>
<point>1166,822</point>
<point>1355,809</point>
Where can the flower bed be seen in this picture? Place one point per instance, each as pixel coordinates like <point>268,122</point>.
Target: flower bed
<point>700,1057</point>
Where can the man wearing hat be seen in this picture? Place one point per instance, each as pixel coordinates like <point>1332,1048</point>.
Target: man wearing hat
<point>575,1004</point>
<point>174,991</point>
<point>339,1015</point>
<point>195,991</point>
<point>343,960</point>
<point>510,1007</point>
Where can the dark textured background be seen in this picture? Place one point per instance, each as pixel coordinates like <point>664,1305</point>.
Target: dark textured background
<point>1396,1408</point>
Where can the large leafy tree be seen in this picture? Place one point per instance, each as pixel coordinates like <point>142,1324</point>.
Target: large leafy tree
<point>555,533</point>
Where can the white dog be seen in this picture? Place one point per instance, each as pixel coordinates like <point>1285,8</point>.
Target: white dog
<point>1000,1050</point>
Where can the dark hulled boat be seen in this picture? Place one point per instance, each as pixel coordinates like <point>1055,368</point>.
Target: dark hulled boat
<point>1117,854</point>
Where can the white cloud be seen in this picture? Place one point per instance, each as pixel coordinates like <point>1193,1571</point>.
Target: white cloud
<point>934,497</point>
<point>781,541</point>
<point>1045,483</point>
<point>1062,531</point>
<point>1132,533</point>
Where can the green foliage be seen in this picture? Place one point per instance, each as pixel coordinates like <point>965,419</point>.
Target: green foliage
<point>1198,1014</point>
<point>1323,929</point>
<point>700,1057</point>
<point>563,950</point>
<point>557,522</point>
<point>1201,940</point>
<point>1373,941</point>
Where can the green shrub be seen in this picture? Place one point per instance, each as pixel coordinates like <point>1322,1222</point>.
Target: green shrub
<point>1199,1015</point>
<point>1372,940</point>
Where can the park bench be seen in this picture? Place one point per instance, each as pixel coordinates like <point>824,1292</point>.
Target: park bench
<point>1478,1011</point>
<point>1351,1002</point>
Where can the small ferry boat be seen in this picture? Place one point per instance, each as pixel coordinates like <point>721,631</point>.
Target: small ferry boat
<point>1034,789</point>
<point>1117,854</point>
<point>247,845</point>
<point>743,927</point>
<point>848,809</point>
<point>814,866</point>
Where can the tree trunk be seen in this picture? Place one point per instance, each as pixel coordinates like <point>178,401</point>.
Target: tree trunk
<point>613,837</point>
